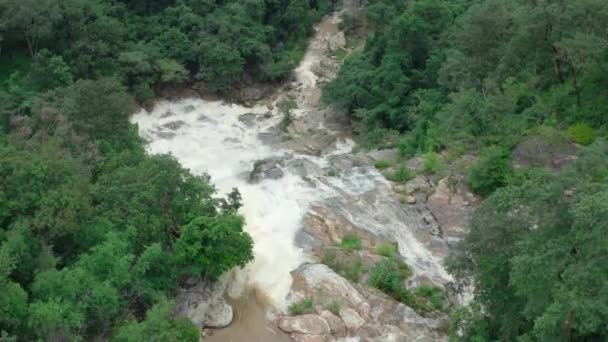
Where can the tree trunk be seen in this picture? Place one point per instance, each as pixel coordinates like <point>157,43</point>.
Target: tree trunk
<point>557,64</point>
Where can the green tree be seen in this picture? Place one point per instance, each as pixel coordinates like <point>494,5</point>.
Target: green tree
<point>210,246</point>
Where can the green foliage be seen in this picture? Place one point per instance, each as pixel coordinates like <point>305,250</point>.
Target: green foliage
<point>431,294</point>
<point>302,307</point>
<point>286,107</point>
<point>159,325</point>
<point>212,246</point>
<point>402,175</point>
<point>334,307</point>
<point>433,163</point>
<point>389,277</point>
<point>387,249</point>
<point>382,164</point>
<point>534,256</point>
<point>491,172</point>
<point>581,133</point>
<point>350,242</point>
<point>350,267</point>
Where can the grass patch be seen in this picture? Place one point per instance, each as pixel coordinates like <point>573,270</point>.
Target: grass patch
<point>302,307</point>
<point>350,242</point>
<point>351,269</point>
<point>387,249</point>
<point>332,173</point>
<point>581,133</point>
<point>334,307</point>
<point>432,295</point>
<point>433,164</point>
<point>389,277</point>
<point>382,164</point>
<point>402,175</point>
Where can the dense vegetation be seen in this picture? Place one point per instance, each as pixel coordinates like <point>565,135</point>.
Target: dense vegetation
<point>486,77</point>
<point>95,235</point>
<point>470,73</point>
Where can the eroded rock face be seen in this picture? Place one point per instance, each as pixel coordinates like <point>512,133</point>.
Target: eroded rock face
<point>364,313</point>
<point>453,209</point>
<point>305,324</point>
<point>204,305</point>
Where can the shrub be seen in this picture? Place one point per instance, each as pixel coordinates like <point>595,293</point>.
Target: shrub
<point>402,175</point>
<point>581,133</point>
<point>433,164</point>
<point>387,249</point>
<point>431,294</point>
<point>332,173</point>
<point>302,307</point>
<point>491,171</point>
<point>351,269</point>
<point>334,307</point>
<point>382,164</point>
<point>350,242</point>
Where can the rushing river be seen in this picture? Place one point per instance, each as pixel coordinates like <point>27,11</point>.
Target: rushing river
<point>223,140</point>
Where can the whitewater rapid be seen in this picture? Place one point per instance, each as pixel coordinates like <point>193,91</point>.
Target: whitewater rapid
<point>224,141</point>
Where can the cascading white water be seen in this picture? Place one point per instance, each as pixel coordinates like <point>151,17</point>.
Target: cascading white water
<point>208,137</point>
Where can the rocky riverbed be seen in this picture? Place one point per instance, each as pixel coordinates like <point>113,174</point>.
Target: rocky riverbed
<point>304,192</point>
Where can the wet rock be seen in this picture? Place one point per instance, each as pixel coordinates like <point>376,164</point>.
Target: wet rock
<point>266,169</point>
<point>303,167</point>
<point>270,137</point>
<point>167,114</point>
<point>165,135</point>
<point>189,109</point>
<point>336,325</point>
<point>174,125</point>
<point>351,319</point>
<point>305,324</point>
<point>248,119</point>
<point>204,305</point>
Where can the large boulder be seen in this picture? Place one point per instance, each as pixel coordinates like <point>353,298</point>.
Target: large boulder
<point>204,305</point>
<point>453,209</point>
<point>336,325</point>
<point>270,168</point>
<point>305,324</point>
<point>351,319</point>
<point>390,155</point>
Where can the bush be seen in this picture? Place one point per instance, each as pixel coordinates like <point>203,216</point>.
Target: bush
<point>387,249</point>
<point>334,307</point>
<point>581,133</point>
<point>491,172</point>
<point>351,269</point>
<point>433,164</point>
<point>431,294</point>
<point>382,164</point>
<point>301,307</point>
<point>350,242</point>
<point>402,175</point>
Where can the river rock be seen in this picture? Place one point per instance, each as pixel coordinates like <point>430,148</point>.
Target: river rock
<point>266,169</point>
<point>305,324</point>
<point>303,167</point>
<point>248,119</point>
<point>336,41</point>
<point>174,125</point>
<point>351,319</point>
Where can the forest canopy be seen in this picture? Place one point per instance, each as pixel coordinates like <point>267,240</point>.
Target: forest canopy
<point>96,235</point>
